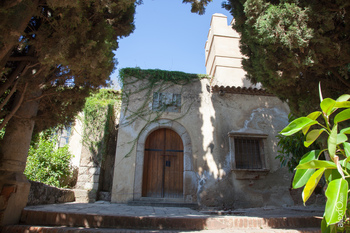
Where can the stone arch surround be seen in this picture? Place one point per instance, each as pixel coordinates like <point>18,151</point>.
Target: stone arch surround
<point>190,179</point>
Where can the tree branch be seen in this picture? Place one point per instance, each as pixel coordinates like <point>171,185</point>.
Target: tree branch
<point>40,97</point>
<point>7,4</point>
<point>335,72</point>
<point>14,110</point>
<point>5,50</point>
<point>9,95</point>
<point>24,58</point>
<point>12,77</point>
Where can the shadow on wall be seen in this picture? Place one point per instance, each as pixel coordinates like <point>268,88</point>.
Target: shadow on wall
<point>97,160</point>
<point>223,186</point>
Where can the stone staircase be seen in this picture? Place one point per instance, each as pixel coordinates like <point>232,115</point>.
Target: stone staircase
<point>93,221</point>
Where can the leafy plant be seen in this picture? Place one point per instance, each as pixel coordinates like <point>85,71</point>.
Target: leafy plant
<point>46,163</point>
<point>335,167</point>
<point>291,149</point>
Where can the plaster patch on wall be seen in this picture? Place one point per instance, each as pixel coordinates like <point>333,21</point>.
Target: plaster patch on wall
<point>202,180</point>
<point>227,164</point>
<point>266,119</point>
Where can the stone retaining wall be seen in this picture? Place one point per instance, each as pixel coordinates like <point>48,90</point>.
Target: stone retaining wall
<point>44,194</point>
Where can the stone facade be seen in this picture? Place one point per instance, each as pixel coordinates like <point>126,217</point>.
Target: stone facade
<point>211,120</point>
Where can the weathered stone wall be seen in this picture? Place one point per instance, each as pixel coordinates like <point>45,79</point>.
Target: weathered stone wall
<point>96,162</point>
<point>242,112</point>
<point>41,194</point>
<point>204,122</point>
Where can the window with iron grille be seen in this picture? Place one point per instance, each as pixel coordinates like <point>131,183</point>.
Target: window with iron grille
<point>248,153</point>
<point>247,150</point>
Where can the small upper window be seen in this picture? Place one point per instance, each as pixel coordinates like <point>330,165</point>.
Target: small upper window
<point>167,102</point>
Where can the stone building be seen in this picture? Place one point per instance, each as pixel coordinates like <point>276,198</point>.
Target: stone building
<point>214,142</point>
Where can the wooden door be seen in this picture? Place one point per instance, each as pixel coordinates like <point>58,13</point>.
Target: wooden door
<point>163,165</point>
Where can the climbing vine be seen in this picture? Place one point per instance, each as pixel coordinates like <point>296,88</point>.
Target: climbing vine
<point>148,82</point>
<point>98,121</point>
<point>156,76</point>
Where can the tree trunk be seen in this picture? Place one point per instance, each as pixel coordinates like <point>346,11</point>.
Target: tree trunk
<point>14,186</point>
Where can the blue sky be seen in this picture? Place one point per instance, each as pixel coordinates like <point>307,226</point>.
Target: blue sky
<point>168,37</point>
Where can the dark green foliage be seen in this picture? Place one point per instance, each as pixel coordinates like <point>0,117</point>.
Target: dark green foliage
<point>46,163</point>
<point>56,52</point>
<point>291,46</point>
<point>198,6</point>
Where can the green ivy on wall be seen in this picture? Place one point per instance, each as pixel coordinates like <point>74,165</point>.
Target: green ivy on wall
<point>156,76</point>
<point>148,82</point>
<point>99,119</point>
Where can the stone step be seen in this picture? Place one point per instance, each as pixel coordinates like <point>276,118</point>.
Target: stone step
<point>163,204</point>
<point>186,222</point>
<point>40,229</point>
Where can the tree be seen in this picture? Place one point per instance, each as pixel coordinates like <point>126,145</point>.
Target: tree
<point>52,54</point>
<point>291,46</point>
<point>198,6</point>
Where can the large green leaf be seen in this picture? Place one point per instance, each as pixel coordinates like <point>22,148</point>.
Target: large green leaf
<point>344,104</point>
<point>331,174</point>
<point>332,141</point>
<point>345,130</point>
<point>342,116</point>
<point>337,197</point>
<point>327,105</point>
<point>324,227</point>
<point>343,98</point>
<point>297,125</point>
<point>346,146</point>
<point>312,136</point>
<point>312,116</point>
<point>301,177</point>
<point>341,138</point>
<point>311,155</point>
<point>316,164</point>
<point>312,183</point>
<point>345,163</point>
<point>327,229</point>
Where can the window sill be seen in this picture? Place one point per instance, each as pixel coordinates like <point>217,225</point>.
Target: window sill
<point>250,174</point>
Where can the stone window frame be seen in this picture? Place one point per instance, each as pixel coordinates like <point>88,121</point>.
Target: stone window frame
<point>249,173</point>
<point>168,102</point>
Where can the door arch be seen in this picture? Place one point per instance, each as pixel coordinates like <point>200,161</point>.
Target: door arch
<point>163,165</point>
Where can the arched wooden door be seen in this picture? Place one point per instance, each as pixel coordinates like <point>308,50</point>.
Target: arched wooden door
<point>163,165</point>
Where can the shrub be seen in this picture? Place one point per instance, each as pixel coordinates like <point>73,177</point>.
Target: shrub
<point>46,163</point>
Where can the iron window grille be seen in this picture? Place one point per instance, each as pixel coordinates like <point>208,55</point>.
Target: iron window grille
<point>248,154</point>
